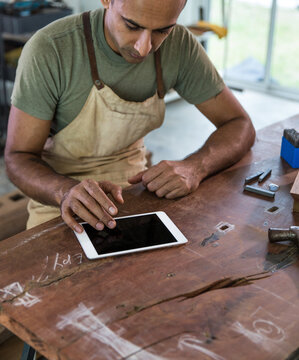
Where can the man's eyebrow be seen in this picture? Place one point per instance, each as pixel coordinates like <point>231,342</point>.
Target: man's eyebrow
<point>142,27</point>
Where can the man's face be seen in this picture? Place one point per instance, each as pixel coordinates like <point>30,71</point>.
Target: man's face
<point>136,28</point>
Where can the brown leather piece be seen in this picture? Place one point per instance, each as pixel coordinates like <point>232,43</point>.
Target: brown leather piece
<point>91,53</point>
<point>160,84</point>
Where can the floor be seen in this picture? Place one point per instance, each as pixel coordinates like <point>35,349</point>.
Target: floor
<point>11,349</point>
<point>185,129</point>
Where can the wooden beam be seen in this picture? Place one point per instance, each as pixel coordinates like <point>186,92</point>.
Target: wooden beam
<point>295,193</point>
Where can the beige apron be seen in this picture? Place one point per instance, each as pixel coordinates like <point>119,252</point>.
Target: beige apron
<point>105,141</point>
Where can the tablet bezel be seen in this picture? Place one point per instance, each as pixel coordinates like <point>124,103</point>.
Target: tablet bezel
<point>92,254</point>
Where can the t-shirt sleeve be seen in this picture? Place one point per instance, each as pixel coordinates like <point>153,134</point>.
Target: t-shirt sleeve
<point>198,79</point>
<point>36,88</point>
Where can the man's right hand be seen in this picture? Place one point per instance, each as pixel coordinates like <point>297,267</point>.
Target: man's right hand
<point>26,137</point>
<point>90,202</point>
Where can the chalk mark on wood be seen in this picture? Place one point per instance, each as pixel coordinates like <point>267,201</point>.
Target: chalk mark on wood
<point>12,292</point>
<point>21,293</point>
<point>33,237</point>
<point>222,229</point>
<point>260,309</point>
<point>191,342</point>
<point>265,332</point>
<point>67,260</point>
<point>277,296</point>
<point>193,251</point>
<point>83,319</point>
<point>42,277</point>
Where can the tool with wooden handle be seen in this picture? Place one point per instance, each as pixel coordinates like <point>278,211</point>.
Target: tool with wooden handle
<point>277,235</point>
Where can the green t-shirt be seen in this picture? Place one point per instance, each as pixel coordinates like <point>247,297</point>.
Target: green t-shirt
<point>53,77</point>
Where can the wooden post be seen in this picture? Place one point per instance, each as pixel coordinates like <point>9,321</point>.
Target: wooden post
<point>295,193</point>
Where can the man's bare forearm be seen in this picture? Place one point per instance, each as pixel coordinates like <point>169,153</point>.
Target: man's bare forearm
<point>36,178</point>
<point>227,145</point>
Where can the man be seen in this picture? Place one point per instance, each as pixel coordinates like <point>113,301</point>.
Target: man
<point>95,80</point>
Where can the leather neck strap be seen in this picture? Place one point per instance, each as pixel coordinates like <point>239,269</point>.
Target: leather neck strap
<point>91,53</point>
<point>159,75</point>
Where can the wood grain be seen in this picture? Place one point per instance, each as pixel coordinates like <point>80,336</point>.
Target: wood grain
<point>295,193</point>
<point>226,294</point>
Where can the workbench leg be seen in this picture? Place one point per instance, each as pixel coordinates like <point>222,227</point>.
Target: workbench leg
<point>28,353</point>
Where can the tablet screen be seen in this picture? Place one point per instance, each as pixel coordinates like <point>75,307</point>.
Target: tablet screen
<point>130,233</point>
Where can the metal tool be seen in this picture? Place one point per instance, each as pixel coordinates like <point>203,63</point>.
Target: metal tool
<point>264,175</point>
<point>273,187</point>
<point>292,136</point>
<point>253,177</point>
<point>259,191</point>
<point>277,235</point>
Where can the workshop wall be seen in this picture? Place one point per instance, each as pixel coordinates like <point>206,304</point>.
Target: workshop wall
<point>188,16</point>
<point>83,5</point>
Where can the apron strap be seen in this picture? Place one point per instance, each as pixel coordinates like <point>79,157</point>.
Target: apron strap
<point>160,84</point>
<point>91,53</point>
<point>93,63</point>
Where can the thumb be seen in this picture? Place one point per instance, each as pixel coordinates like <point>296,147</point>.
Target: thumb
<point>136,178</point>
<point>113,189</point>
<point>116,192</point>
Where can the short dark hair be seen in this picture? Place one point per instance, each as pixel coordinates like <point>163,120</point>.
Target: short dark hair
<point>112,1</point>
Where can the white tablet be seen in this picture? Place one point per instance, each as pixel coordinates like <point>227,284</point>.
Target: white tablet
<point>132,234</point>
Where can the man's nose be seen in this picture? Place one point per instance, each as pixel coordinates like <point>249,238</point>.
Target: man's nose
<point>144,43</point>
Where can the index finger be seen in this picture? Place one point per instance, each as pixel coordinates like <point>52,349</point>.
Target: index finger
<point>94,190</point>
<point>113,189</point>
<point>151,174</point>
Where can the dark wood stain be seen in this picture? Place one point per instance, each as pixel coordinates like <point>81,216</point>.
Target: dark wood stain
<point>210,239</point>
<point>294,355</point>
<point>283,257</point>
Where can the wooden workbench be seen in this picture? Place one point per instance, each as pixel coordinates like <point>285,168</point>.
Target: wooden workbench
<point>226,294</point>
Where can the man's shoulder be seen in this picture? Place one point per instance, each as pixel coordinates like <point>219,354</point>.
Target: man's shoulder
<point>62,27</point>
<point>178,45</point>
<point>180,34</point>
<point>179,40</point>
<point>68,25</point>
<point>65,34</point>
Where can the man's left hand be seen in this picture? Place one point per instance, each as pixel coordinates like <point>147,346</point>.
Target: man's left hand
<point>169,179</point>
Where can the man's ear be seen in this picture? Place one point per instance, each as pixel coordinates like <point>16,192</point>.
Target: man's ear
<point>106,3</point>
